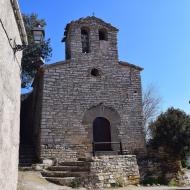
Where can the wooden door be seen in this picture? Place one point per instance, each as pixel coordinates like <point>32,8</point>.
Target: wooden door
<point>102,134</point>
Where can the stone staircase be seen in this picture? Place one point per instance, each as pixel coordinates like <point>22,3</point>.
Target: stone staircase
<point>67,173</point>
<point>26,155</point>
<point>103,153</point>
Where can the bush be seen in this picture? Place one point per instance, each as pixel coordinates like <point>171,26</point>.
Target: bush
<point>184,163</point>
<point>76,183</point>
<point>172,131</point>
<point>173,182</point>
<point>154,181</point>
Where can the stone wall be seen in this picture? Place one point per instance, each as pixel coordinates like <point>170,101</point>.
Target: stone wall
<point>62,153</point>
<point>113,171</point>
<point>92,25</point>
<point>9,97</point>
<point>72,97</point>
<point>70,92</point>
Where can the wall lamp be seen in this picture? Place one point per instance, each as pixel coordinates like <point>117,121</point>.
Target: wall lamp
<point>38,36</point>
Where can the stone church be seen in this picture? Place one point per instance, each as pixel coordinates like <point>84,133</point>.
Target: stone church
<point>91,103</point>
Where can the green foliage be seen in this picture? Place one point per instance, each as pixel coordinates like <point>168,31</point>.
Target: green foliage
<point>154,181</point>
<point>184,163</point>
<point>33,52</point>
<point>75,183</point>
<point>172,131</point>
<point>173,182</point>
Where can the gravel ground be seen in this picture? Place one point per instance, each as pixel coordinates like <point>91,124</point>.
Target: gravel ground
<point>153,188</point>
<point>30,180</point>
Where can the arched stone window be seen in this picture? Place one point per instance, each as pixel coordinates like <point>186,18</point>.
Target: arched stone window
<point>103,34</point>
<point>85,40</point>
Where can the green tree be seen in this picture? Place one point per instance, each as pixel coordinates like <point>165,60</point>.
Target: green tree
<point>171,130</point>
<point>33,52</point>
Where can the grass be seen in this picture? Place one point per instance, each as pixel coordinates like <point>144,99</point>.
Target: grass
<point>173,182</point>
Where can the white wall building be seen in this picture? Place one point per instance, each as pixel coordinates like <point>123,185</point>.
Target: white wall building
<point>12,32</point>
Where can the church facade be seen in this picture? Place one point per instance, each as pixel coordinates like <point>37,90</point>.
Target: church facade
<point>90,103</point>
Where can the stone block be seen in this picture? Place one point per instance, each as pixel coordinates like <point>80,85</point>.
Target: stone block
<point>48,162</point>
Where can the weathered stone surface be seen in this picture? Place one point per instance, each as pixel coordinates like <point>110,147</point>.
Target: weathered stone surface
<point>48,162</point>
<point>100,172</point>
<point>70,97</point>
<point>9,97</point>
<point>113,171</point>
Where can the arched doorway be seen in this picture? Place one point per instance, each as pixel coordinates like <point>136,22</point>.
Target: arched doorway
<point>102,133</point>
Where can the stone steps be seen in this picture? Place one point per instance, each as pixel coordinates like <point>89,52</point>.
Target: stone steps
<point>69,168</point>
<point>67,181</point>
<point>67,173</point>
<point>25,168</point>
<point>76,163</point>
<point>103,153</point>
<point>63,174</point>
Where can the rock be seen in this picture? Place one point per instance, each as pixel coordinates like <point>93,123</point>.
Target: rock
<point>48,162</point>
<point>38,167</point>
<point>101,178</point>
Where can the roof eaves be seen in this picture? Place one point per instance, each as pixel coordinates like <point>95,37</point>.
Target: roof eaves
<point>47,66</point>
<point>124,63</point>
<point>19,20</point>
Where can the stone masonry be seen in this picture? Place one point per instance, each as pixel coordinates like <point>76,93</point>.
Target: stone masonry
<point>113,171</point>
<point>11,31</point>
<point>91,83</point>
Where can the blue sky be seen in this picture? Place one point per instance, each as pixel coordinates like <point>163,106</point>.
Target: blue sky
<point>154,34</point>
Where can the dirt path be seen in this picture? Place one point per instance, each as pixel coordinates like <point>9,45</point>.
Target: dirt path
<point>153,188</point>
<point>30,180</point>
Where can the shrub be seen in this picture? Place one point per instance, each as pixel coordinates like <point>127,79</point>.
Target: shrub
<point>76,183</point>
<point>184,163</point>
<point>173,182</point>
<point>172,131</point>
<point>154,181</point>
